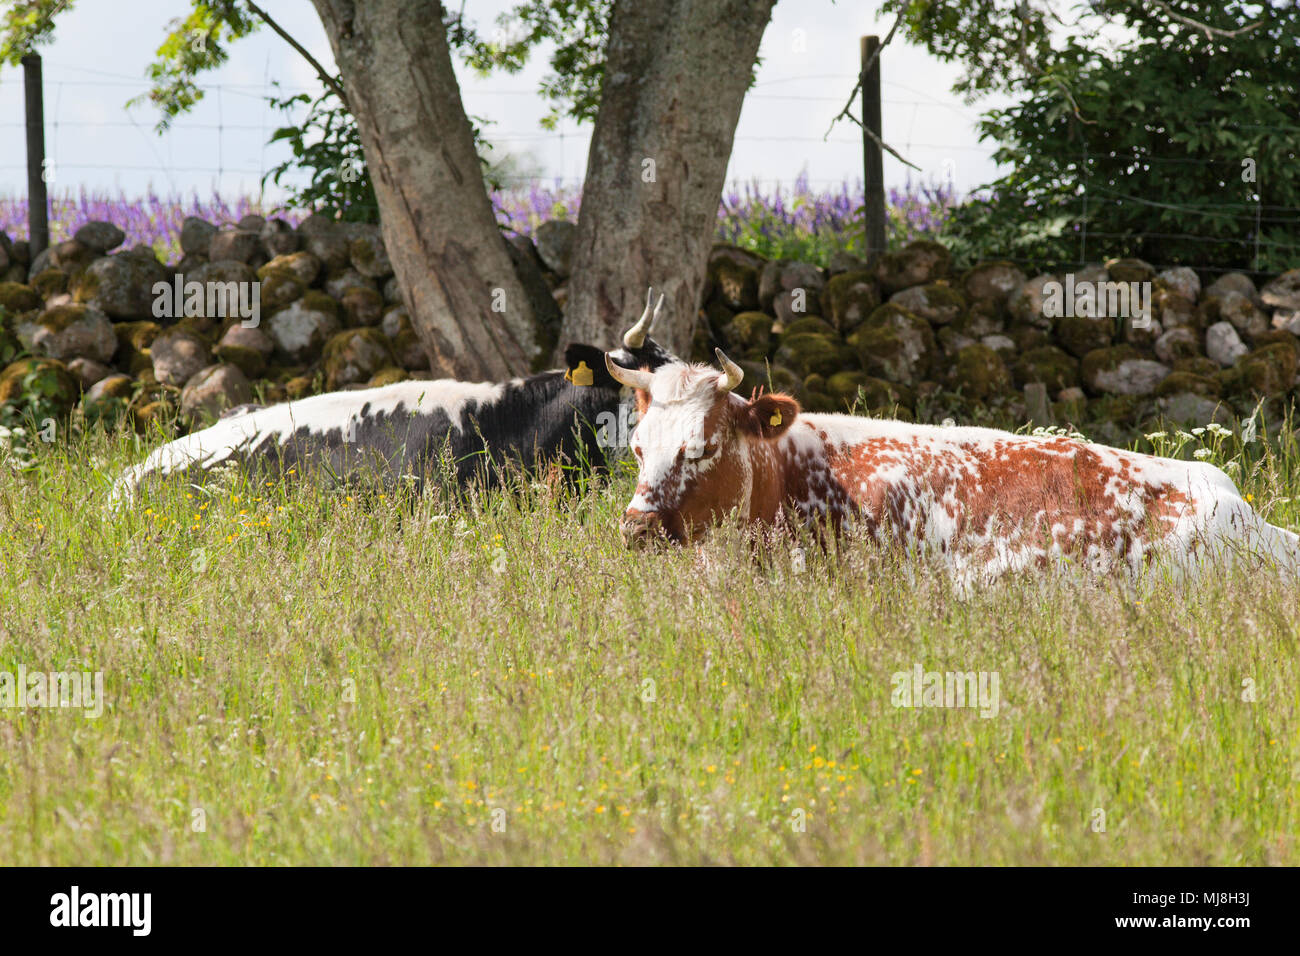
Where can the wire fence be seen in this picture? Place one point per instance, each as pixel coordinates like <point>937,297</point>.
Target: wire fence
<point>84,114</point>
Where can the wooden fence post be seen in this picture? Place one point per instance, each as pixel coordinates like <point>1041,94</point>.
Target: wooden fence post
<point>873,170</point>
<point>38,212</point>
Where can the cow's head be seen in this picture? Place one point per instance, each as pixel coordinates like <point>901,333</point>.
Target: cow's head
<point>585,364</point>
<point>696,446</point>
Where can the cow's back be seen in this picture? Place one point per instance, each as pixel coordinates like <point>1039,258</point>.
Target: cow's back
<point>1017,500</point>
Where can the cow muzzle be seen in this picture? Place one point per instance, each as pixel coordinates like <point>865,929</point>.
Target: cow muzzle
<point>641,529</point>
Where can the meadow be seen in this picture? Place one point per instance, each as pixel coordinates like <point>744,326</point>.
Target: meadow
<point>303,675</point>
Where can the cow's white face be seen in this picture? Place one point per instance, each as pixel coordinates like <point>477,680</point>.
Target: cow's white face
<point>692,449</point>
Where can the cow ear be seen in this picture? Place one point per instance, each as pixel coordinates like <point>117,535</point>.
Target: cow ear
<point>770,415</point>
<point>585,365</point>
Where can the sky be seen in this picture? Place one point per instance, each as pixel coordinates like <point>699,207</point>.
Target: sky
<point>809,57</point>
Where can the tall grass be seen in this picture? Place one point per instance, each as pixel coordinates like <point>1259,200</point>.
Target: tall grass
<point>297,675</point>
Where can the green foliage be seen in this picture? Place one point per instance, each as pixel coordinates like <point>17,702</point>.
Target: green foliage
<point>985,227</point>
<point>34,413</point>
<point>10,347</point>
<point>578,30</point>
<point>195,44</point>
<point>1141,150</point>
<point>326,145</point>
<point>25,25</point>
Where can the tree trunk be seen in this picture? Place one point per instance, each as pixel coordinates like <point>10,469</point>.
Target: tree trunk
<point>467,304</point>
<point>676,72</point>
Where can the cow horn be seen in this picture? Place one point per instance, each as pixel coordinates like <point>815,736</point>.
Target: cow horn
<point>734,373</point>
<point>634,337</point>
<point>631,377</point>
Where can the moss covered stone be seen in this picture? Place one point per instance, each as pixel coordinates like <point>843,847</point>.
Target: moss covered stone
<point>10,346</point>
<point>1027,305</point>
<point>1177,383</point>
<point>813,325</point>
<point>112,386</point>
<point>389,375</point>
<point>1071,408</point>
<point>38,384</point>
<point>362,307</point>
<point>735,283</point>
<point>895,345</point>
<point>279,287</point>
<point>1106,359</point>
<point>1081,334</point>
<point>979,373</point>
<point>121,285</point>
<point>50,282</point>
<point>299,386</point>
<point>409,352</point>
<point>937,302</point>
<point>810,352</point>
<point>355,355</point>
<point>1236,308</point>
<point>301,329</point>
<point>750,333</point>
<point>1047,365</point>
<point>891,399</point>
<point>1028,337</point>
<point>107,401</point>
<point>860,392</point>
<point>1174,310</point>
<point>849,298</point>
<point>981,318</point>
<point>1267,372</point>
<point>993,282</point>
<point>717,316</point>
<point>820,402</point>
<point>303,266</point>
<point>1121,370</point>
<point>1130,270</point>
<point>133,341</point>
<point>152,417</point>
<point>68,332</point>
<point>702,345</point>
<point>771,378</point>
<point>917,263</point>
<point>248,360</point>
<point>844,386</point>
<point>212,390</point>
<point>318,301</point>
<point>1197,365</point>
<point>1121,410</point>
<point>15,298</point>
<point>1277,337</point>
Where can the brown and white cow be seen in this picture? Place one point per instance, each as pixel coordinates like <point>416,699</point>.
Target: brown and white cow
<point>985,501</point>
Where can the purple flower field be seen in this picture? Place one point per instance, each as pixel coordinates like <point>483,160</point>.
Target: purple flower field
<point>782,222</point>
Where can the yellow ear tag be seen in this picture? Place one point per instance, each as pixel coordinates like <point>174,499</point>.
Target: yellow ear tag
<point>580,375</point>
<point>775,419</point>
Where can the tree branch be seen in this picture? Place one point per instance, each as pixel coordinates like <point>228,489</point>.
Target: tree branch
<point>1198,25</point>
<point>325,78</point>
<point>866,67</point>
<point>846,112</point>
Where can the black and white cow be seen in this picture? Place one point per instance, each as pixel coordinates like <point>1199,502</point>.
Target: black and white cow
<point>411,428</point>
